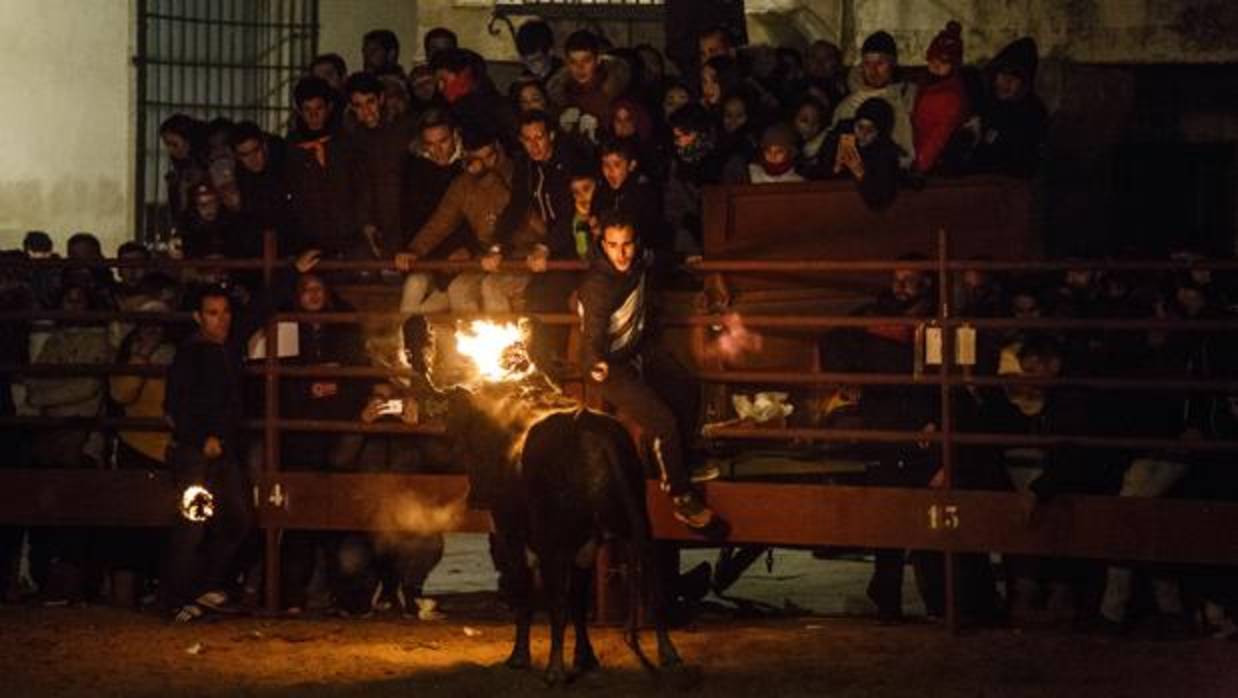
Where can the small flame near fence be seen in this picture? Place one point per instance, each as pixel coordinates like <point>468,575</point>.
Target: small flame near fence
<point>197,504</point>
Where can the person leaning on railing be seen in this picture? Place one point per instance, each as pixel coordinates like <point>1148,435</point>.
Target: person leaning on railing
<point>143,395</point>
<point>1043,473</point>
<point>57,554</point>
<point>1190,417</point>
<point>316,398</point>
<point>70,342</point>
<point>892,348</point>
<point>132,552</point>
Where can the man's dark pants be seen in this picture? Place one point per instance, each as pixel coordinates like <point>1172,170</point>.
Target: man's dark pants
<point>200,555</point>
<point>629,388</point>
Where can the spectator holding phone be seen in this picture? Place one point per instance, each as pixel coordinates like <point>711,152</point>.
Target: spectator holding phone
<point>861,149</point>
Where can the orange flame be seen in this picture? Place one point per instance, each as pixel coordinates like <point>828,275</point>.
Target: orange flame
<point>496,349</point>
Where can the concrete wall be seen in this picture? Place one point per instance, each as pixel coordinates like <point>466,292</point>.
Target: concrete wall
<point>66,127</point>
<point>468,19</point>
<point>343,23</point>
<point>1084,31</point>
<point>797,22</point>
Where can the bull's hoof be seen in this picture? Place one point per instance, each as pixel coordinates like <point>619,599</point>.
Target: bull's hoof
<point>519,660</point>
<point>585,663</point>
<point>681,677</point>
<point>669,660</point>
<point>554,676</point>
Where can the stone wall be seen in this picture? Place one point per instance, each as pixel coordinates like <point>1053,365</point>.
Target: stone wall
<point>67,121</point>
<point>1085,31</point>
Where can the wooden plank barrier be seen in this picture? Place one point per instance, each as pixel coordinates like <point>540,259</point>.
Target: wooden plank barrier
<point>1153,530</point>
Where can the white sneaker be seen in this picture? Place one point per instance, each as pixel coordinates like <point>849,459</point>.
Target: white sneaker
<point>427,609</point>
<point>706,472</point>
<point>187,613</point>
<point>214,600</point>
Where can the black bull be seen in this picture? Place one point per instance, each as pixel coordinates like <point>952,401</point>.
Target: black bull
<point>576,482</point>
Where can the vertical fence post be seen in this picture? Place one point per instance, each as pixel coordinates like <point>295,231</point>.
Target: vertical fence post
<point>140,224</point>
<point>270,430</point>
<point>945,294</point>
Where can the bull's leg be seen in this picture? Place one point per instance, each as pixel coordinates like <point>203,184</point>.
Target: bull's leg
<point>521,658</point>
<point>583,657</point>
<point>520,591</point>
<point>635,586</point>
<point>556,576</point>
<point>668,656</point>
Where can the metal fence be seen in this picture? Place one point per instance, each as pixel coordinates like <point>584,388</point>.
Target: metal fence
<point>936,518</point>
<point>212,58</point>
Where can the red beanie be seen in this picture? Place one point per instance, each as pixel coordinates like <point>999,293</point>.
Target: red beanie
<point>947,46</point>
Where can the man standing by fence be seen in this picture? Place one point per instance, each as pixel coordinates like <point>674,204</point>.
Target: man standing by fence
<point>204,405</point>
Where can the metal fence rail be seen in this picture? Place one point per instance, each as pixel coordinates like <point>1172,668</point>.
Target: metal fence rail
<point>944,519</point>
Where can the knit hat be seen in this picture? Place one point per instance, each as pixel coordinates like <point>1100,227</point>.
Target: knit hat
<point>1019,58</point>
<point>878,111</point>
<point>947,46</point>
<point>778,134</point>
<point>880,42</point>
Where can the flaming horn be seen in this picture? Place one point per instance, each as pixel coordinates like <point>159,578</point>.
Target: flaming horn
<point>495,349</point>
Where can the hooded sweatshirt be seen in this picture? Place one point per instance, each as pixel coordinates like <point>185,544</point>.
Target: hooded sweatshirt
<point>613,309</point>
<point>1011,131</point>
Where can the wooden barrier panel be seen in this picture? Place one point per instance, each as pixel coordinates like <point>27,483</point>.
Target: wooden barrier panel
<point>827,220</point>
<point>1154,530</point>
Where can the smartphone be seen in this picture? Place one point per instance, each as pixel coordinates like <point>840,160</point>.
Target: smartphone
<point>846,148</point>
<point>392,407</point>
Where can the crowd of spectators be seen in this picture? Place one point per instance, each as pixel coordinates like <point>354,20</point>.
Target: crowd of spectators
<point>439,163</point>
<point>1089,593</point>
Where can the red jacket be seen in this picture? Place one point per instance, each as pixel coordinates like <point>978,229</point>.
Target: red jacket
<point>941,107</point>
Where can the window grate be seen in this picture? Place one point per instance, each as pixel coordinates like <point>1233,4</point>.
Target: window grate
<point>209,58</point>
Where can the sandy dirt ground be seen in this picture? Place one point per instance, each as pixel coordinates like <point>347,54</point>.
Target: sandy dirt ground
<point>101,652</point>
<point>828,649</point>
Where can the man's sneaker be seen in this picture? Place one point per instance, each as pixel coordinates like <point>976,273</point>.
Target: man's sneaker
<point>216,601</point>
<point>706,472</point>
<point>691,511</point>
<point>427,609</point>
<point>187,613</point>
